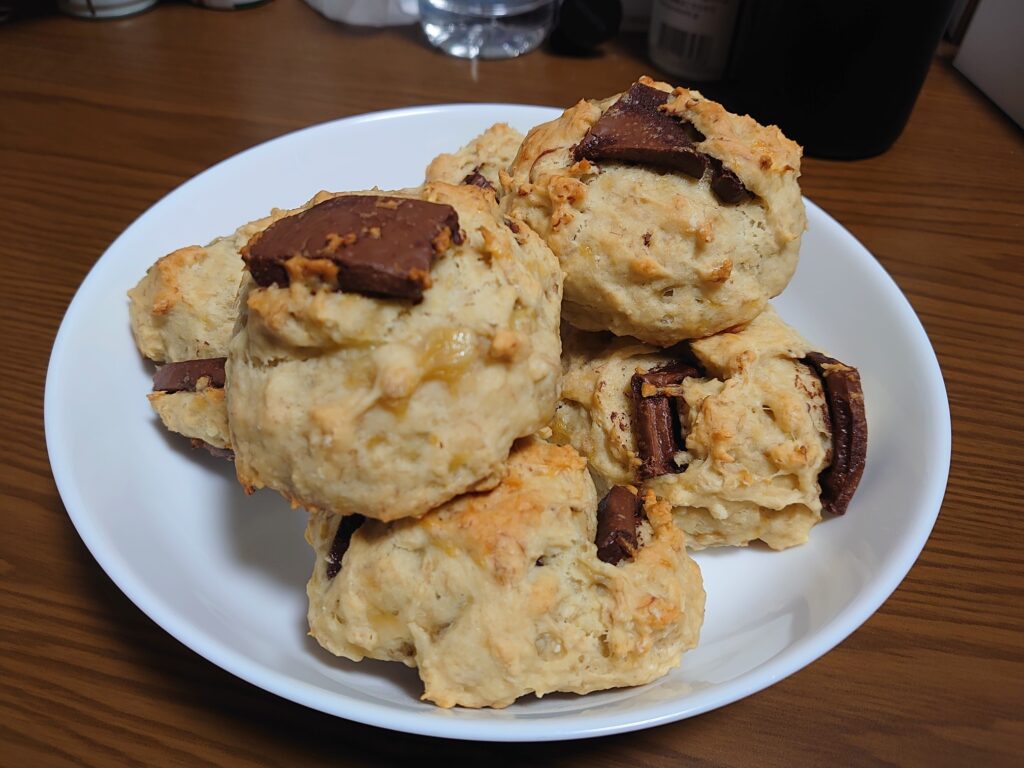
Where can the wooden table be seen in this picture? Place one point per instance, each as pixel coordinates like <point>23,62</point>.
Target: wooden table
<point>99,120</point>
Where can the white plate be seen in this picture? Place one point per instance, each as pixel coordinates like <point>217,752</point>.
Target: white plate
<point>225,574</point>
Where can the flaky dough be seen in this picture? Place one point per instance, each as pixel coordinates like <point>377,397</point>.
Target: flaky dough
<point>498,595</point>
<point>198,415</point>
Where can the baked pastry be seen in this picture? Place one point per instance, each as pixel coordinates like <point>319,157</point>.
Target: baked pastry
<point>393,348</point>
<point>185,309</point>
<point>480,161</point>
<point>672,218</point>
<point>494,596</point>
<point>186,305</point>
<point>189,399</point>
<point>740,432</point>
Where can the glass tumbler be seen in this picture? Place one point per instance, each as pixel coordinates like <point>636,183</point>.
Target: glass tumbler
<point>496,29</point>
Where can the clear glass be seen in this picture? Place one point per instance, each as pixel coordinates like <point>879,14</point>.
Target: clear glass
<point>473,29</point>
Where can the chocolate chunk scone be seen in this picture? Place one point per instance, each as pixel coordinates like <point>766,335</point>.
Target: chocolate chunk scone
<point>672,218</point>
<point>735,431</point>
<point>189,399</point>
<point>183,313</point>
<point>186,305</point>
<point>498,595</point>
<point>480,161</point>
<point>393,348</point>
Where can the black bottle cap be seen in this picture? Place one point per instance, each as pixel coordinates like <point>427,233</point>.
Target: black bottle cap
<point>585,24</point>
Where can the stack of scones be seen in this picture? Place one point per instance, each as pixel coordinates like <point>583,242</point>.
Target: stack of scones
<point>512,398</point>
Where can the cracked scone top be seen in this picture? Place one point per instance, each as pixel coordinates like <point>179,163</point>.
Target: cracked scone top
<point>672,218</point>
<point>755,422</point>
<point>388,406</point>
<point>494,596</point>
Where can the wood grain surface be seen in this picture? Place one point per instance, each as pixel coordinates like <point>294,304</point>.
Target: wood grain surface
<point>99,120</point>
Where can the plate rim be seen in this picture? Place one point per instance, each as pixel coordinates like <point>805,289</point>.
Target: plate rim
<point>793,658</point>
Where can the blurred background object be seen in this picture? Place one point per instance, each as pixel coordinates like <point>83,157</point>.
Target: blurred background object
<point>992,57</point>
<point>583,25</point>
<point>691,39</point>
<point>229,5</point>
<point>636,15</point>
<point>11,10</point>
<point>959,18</point>
<point>104,9</point>
<point>841,78</point>
<point>487,29</point>
<point>368,13</point>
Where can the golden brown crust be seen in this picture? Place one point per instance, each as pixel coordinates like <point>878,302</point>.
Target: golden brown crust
<point>494,596</point>
<point>487,156</point>
<point>187,304</point>
<point>758,154</point>
<point>654,254</point>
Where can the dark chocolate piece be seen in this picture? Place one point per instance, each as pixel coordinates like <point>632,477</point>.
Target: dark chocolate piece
<point>634,130</point>
<point>845,398</point>
<point>727,185</point>
<point>658,429</point>
<point>617,516</point>
<point>342,538</point>
<point>183,377</point>
<point>477,179</point>
<point>213,450</point>
<point>380,246</point>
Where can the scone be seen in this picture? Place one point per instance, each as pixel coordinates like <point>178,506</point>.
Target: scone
<point>672,218</point>
<point>747,433</point>
<point>494,596</point>
<point>185,309</point>
<point>186,305</point>
<point>480,161</point>
<point>189,399</point>
<point>393,348</point>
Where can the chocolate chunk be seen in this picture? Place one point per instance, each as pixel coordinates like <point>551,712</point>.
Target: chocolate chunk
<point>213,450</point>
<point>342,538</point>
<point>845,398</point>
<point>379,246</point>
<point>477,179</point>
<point>617,516</point>
<point>658,428</point>
<point>634,130</point>
<point>727,185</point>
<point>656,435</point>
<point>183,377</point>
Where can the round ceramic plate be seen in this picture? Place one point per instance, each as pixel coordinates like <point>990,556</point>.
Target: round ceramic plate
<point>225,573</point>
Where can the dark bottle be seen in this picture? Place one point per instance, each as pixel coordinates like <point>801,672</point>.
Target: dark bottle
<point>839,76</point>
<point>584,24</point>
